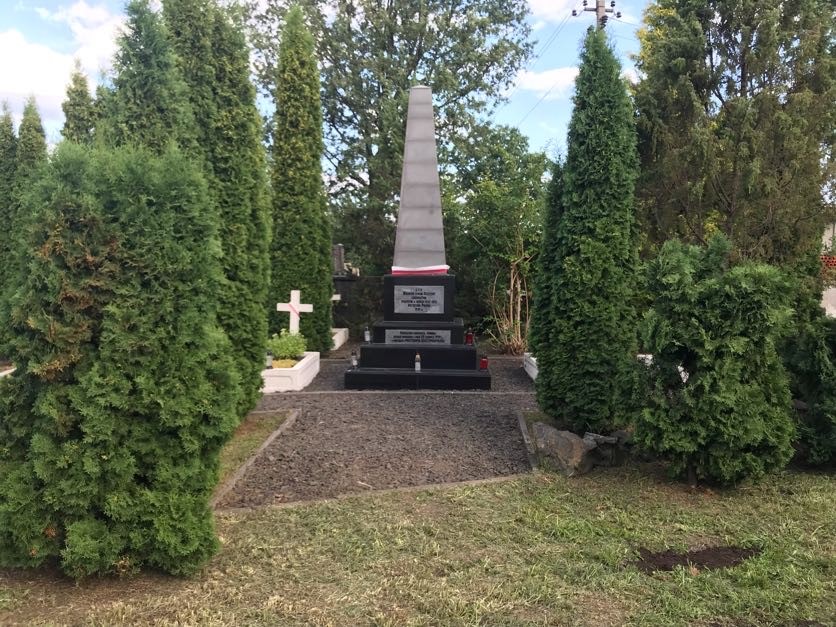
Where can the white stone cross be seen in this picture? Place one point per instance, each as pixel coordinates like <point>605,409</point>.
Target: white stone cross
<point>294,307</point>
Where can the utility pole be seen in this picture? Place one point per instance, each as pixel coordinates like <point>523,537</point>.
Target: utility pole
<point>601,9</point>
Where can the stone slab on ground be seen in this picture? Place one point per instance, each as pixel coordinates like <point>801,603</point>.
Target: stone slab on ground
<point>508,376</point>
<point>356,442</point>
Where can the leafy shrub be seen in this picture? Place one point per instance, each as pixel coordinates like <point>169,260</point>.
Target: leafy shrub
<point>125,392</point>
<point>584,317</point>
<point>730,418</point>
<point>810,357</point>
<point>287,345</point>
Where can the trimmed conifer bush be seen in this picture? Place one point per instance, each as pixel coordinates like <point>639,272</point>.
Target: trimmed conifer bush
<point>214,60</point>
<point>111,428</point>
<point>809,354</point>
<point>79,109</point>
<point>587,341</point>
<point>8,150</point>
<point>729,419</point>
<point>301,248</point>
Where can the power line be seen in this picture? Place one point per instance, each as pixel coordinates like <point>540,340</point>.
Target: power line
<point>552,38</point>
<point>601,11</point>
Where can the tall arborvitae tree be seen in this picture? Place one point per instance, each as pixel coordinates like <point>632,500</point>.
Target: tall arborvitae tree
<point>31,153</point>
<point>127,391</point>
<point>8,163</point>
<point>547,267</point>
<point>301,248</point>
<point>31,143</point>
<point>110,433</point>
<point>79,109</point>
<point>736,117</point>
<point>149,104</point>
<point>590,354</point>
<point>214,61</point>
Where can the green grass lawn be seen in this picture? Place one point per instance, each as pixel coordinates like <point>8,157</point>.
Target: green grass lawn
<point>247,438</point>
<point>542,550</point>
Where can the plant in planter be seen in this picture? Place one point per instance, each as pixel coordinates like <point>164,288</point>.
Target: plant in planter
<point>286,348</point>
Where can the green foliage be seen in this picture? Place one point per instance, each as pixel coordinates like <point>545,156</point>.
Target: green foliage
<point>286,345</point>
<point>588,373</point>
<point>111,427</point>
<point>149,104</point>
<point>736,118</point>
<point>493,230</point>
<point>546,269</point>
<point>467,51</point>
<point>809,354</point>
<point>729,420</point>
<point>301,248</point>
<point>214,61</point>
<point>79,109</point>
<point>31,143</point>
<point>8,164</point>
<point>30,154</point>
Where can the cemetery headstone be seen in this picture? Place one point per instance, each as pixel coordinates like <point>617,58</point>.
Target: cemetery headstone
<point>294,307</point>
<point>418,323</point>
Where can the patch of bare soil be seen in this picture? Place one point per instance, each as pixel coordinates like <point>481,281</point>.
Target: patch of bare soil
<point>347,443</point>
<point>703,559</point>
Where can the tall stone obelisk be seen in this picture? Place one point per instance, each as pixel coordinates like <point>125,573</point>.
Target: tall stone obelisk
<point>419,344</point>
<point>419,241</point>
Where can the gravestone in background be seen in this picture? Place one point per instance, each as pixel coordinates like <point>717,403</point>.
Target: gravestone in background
<point>418,314</point>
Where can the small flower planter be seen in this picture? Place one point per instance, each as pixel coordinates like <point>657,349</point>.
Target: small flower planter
<point>291,379</point>
<point>530,365</point>
<point>339,337</point>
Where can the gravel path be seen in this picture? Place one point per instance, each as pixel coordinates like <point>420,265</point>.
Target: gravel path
<point>351,442</point>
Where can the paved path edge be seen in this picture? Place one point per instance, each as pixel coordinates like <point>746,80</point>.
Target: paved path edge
<point>227,486</point>
<point>426,487</point>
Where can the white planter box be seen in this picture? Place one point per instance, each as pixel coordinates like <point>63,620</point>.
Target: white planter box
<point>340,337</point>
<point>5,373</point>
<point>291,379</point>
<point>530,365</point>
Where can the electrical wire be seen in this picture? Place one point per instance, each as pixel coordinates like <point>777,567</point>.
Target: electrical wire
<point>552,38</point>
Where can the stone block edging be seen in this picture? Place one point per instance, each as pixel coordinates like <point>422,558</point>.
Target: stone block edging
<point>227,486</point>
<point>291,379</point>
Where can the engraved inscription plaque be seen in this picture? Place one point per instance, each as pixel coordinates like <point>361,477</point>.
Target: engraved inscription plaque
<point>419,299</point>
<point>417,336</point>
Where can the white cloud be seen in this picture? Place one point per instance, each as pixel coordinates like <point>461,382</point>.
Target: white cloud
<point>556,83</point>
<point>631,74</point>
<point>552,10</point>
<point>43,72</point>
<point>94,30</point>
<point>38,71</point>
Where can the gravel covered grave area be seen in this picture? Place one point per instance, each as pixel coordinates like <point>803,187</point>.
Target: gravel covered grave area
<point>347,442</point>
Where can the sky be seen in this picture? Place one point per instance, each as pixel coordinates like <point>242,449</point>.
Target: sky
<point>40,40</point>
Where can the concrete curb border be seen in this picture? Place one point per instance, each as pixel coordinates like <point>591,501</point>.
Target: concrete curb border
<point>426,487</point>
<point>227,486</point>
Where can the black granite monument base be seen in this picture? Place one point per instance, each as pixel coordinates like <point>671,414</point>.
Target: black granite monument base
<point>419,322</point>
<point>406,379</point>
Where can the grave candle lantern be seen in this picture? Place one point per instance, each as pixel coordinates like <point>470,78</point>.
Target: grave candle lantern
<point>353,359</point>
<point>483,363</point>
<point>468,337</point>
<point>268,360</point>
<point>367,335</point>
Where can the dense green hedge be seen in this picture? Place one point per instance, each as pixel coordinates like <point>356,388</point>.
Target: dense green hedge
<point>731,418</point>
<point>125,391</point>
<point>301,248</point>
<point>214,61</point>
<point>809,353</point>
<point>587,341</point>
